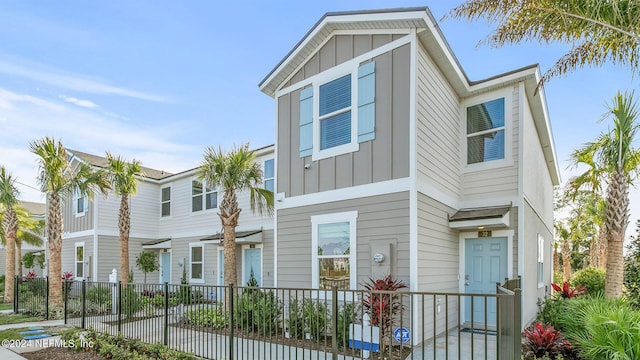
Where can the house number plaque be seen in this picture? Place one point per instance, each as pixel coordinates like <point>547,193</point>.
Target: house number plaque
<point>484,233</point>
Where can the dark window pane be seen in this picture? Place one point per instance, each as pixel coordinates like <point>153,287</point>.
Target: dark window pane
<point>196,254</point>
<point>166,194</point>
<point>335,130</point>
<point>196,203</point>
<point>485,147</point>
<point>485,116</point>
<point>335,95</point>
<point>212,200</point>
<point>166,209</point>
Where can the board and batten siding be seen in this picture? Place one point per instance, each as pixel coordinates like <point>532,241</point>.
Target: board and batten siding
<point>497,182</point>
<point>384,158</point>
<point>382,218</point>
<point>73,223</point>
<point>437,128</point>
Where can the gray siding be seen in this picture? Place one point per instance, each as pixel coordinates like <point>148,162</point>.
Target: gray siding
<point>267,258</point>
<point>385,158</point>
<point>68,256</point>
<point>73,223</point>
<point>437,128</point>
<point>109,258</point>
<point>533,226</point>
<point>381,219</point>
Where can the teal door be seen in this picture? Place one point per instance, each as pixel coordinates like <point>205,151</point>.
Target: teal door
<point>252,263</point>
<point>165,267</point>
<point>220,289</point>
<point>485,265</point>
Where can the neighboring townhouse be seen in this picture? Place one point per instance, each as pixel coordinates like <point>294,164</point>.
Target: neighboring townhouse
<point>389,160</point>
<point>37,212</point>
<point>175,215</point>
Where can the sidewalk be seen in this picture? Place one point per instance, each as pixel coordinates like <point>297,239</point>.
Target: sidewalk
<point>14,353</point>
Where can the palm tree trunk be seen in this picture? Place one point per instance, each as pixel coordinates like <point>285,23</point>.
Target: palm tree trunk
<point>124,224</point>
<point>54,235</point>
<point>617,217</point>
<point>229,213</point>
<point>10,226</point>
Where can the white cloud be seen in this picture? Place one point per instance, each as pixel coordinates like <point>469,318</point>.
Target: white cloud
<point>82,103</point>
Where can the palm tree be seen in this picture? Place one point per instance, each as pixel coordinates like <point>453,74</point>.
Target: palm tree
<point>30,231</point>
<point>123,177</point>
<point>599,31</point>
<point>57,180</point>
<point>612,159</point>
<point>232,172</point>
<point>8,199</point>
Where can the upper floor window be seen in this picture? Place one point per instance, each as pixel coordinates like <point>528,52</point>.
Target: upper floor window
<point>166,201</point>
<point>80,203</point>
<point>196,263</point>
<point>269,175</point>
<point>337,111</point>
<point>333,244</point>
<point>202,196</point>
<point>540,261</point>
<point>486,131</point>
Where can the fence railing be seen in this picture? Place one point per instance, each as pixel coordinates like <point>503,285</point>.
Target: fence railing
<point>287,323</point>
<point>31,296</point>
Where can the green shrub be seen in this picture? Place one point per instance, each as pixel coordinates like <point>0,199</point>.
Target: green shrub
<point>591,278</point>
<point>347,315</point>
<point>557,277</point>
<point>258,311</point>
<point>131,302</point>
<point>308,318</point>
<point>99,294</point>
<point>213,317</point>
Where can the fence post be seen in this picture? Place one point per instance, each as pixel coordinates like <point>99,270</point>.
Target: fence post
<point>517,322</point>
<point>119,306</point>
<point>166,313</point>
<point>46,298</point>
<point>334,322</point>
<point>231,322</point>
<point>15,294</point>
<point>66,296</point>
<point>84,303</point>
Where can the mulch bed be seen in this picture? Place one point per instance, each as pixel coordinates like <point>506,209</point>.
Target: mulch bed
<point>60,353</point>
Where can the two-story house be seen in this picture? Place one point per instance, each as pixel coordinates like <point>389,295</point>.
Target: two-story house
<point>174,215</point>
<point>389,160</point>
<point>37,212</point>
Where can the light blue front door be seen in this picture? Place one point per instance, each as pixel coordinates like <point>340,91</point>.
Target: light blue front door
<point>485,265</point>
<point>220,289</point>
<point>252,262</point>
<point>165,267</point>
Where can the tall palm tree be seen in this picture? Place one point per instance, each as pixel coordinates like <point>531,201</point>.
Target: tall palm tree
<point>57,180</point>
<point>611,159</point>
<point>8,199</point>
<point>123,177</point>
<point>232,172</point>
<point>599,31</point>
<point>30,231</point>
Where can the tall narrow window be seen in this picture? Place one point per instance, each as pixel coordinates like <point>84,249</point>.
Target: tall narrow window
<point>540,261</point>
<point>79,261</point>
<point>335,112</point>
<point>166,201</point>
<point>333,248</point>
<point>80,203</point>
<point>196,256</point>
<point>486,131</point>
<point>203,197</point>
<point>269,175</point>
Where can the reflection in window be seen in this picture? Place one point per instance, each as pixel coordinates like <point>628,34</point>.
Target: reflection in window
<point>485,131</point>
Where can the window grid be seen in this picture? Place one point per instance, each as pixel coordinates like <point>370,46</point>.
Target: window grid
<point>165,201</point>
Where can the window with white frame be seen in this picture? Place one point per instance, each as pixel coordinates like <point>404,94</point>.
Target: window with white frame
<point>269,174</point>
<point>80,203</point>
<point>79,261</point>
<point>202,196</point>
<point>337,111</point>
<point>196,263</point>
<point>486,131</point>
<point>333,248</point>
<point>166,201</point>
<point>540,261</point>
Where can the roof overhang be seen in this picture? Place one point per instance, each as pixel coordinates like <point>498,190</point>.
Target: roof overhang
<point>242,237</point>
<point>157,244</point>
<point>493,217</point>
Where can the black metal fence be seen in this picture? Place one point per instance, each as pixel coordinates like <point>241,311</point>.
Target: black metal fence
<point>31,296</point>
<point>286,323</point>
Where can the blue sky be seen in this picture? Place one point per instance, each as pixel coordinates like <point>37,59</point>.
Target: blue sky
<point>161,80</point>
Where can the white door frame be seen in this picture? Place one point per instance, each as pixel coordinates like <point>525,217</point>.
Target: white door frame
<point>220,281</point>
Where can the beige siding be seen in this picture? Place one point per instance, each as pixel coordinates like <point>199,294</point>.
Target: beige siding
<point>76,223</point>
<point>437,128</point>
<point>267,258</point>
<point>68,256</point>
<point>109,258</point>
<point>502,181</point>
<point>381,219</point>
<point>532,227</point>
<point>384,158</point>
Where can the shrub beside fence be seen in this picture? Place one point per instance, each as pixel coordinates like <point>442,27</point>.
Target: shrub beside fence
<point>276,323</point>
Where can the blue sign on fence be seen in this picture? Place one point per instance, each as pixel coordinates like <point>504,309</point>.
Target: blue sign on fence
<point>401,335</point>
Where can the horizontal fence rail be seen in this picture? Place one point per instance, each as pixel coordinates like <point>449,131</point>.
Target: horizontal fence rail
<point>234,322</point>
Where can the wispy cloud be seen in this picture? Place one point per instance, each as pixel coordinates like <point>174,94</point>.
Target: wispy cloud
<point>70,81</point>
<point>82,103</point>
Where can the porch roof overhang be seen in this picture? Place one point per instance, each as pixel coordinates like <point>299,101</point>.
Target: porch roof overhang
<point>491,217</point>
<point>157,244</point>
<point>242,237</point>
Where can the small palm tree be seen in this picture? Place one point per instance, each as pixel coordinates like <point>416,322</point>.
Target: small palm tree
<point>30,231</point>
<point>57,179</point>
<point>123,177</point>
<point>233,172</point>
<point>8,199</point>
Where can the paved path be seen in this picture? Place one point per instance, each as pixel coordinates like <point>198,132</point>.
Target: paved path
<point>12,353</point>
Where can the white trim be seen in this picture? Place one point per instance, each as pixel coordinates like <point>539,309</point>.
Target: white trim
<point>264,178</point>
<point>507,94</point>
<point>204,193</point>
<point>348,216</point>
<point>168,251</point>
<point>348,193</point>
<point>475,223</point>
<point>248,246</point>
<point>540,253</point>
<point>274,221</point>
<point>463,236</point>
<point>413,161</point>
<point>170,201</point>
<point>520,200</point>
<point>78,234</point>
<point>191,279</point>
<point>74,204</point>
<point>159,246</point>
<point>75,260</point>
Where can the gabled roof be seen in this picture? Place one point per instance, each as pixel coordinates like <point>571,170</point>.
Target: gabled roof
<point>430,36</point>
<point>102,162</point>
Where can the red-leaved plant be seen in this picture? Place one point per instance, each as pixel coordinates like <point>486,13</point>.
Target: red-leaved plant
<point>566,292</point>
<point>31,275</point>
<point>381,304</point>
<point>540,340</point>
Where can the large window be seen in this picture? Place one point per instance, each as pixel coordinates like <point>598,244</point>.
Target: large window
<point>333,248</point>
<point>540,261</point>
<point>79,261</point>
<point>166,201</point>
<point>196,263</point>
<point>269,175</point>
<point>80,204</point>
<point>486,131</point>
<point>203,197</point>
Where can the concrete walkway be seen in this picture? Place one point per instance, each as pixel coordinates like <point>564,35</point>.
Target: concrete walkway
<point>13,353</point>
